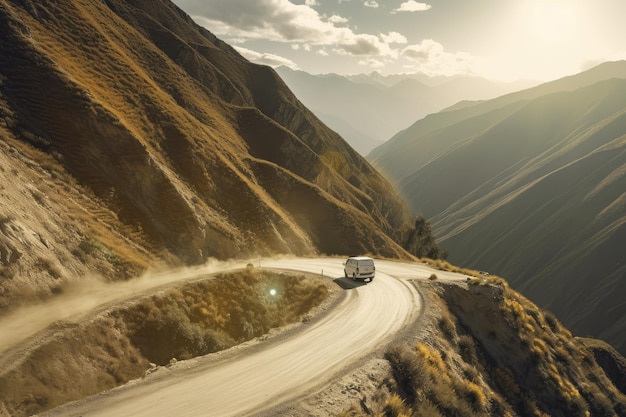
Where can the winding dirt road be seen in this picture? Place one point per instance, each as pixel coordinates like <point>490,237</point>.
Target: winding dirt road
<point>281,369</point>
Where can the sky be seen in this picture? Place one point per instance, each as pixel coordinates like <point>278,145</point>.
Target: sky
<point>503,40</point>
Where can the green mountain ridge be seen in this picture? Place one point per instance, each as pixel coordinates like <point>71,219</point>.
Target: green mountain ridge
<point>424,135</point>
<point>532,190</point>
<point>536,138</point>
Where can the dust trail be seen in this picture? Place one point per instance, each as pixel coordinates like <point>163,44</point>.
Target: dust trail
<point>88,294</point>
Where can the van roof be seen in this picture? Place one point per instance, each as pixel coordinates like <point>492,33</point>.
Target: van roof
<point>361,258</point>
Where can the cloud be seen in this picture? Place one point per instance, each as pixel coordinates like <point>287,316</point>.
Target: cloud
<point>282,21</point>
<point>311,3</point>
<point>412,6</point>
<point>371,3</point>
<point>242,22</point>
<point>297,46</point>
<point>372,63</point>
<point>337,19</point>
<point>275,20</point>
<point>432,59</point>
<point>361,45</point>
<point>394,37</point>
<point>424,51</point>
<point>265,58</point>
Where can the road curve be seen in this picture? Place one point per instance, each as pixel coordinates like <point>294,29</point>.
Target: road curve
<point>282,370</point>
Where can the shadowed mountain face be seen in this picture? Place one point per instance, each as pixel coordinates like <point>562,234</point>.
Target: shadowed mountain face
<point>130,137</point>
<point>531,186</point>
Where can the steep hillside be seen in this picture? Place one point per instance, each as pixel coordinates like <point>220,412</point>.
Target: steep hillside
<point>532,190</point>
<point>477,349</point>
<point>133,138</point>
<point>488,351</point>
<point>524,143</point>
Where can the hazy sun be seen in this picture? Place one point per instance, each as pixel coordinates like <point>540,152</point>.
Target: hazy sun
<point>552,21</point>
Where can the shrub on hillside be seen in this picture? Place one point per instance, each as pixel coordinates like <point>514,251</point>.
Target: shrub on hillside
<point>211,315</point>
<point>422,375</point>
<point>420,241</point>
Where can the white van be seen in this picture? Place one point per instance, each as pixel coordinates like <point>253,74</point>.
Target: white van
<point>359,267</point>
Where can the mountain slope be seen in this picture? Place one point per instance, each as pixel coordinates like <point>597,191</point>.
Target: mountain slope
<point>424,140</point>
<point>534,191</point>
<point>132,138</point>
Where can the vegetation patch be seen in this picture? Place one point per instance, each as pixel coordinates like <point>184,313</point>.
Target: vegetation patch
<point>208,316</point>
<point>420,241</point>
<point>76,360</point>
<point>443,265</point>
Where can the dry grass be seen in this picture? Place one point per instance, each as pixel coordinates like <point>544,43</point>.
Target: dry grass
<point>396,407</point>
<point>424,376</point>
<point>444,265</point>
<point>208,316</point>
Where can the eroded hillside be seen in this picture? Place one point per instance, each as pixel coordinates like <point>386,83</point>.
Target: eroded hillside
<point>133,138</point>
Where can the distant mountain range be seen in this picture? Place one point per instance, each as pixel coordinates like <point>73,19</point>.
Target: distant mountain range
<point>368,109</point>
<point>531,186</point>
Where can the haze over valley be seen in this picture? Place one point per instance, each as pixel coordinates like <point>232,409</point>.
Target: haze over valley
<point>368,109</point>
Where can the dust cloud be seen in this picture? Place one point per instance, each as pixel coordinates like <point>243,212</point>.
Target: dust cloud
<point>91,293</point>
